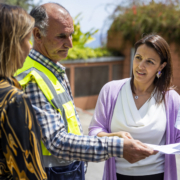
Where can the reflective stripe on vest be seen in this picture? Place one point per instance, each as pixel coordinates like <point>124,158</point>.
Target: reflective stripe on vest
<point>53,91</point>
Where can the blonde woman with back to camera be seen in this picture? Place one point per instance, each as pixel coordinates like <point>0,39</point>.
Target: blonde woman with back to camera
<point>145,106</point>
<point>20,151</point>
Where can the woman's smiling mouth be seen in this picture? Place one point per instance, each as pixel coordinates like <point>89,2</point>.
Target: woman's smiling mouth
<point>140,73</point>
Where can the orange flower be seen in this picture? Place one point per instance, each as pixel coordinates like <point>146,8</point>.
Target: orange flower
<point>134,10</point>
<point>159,14</point>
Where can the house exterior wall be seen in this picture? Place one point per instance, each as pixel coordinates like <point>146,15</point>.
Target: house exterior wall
<point>176,66</point>
<point>114,43</point>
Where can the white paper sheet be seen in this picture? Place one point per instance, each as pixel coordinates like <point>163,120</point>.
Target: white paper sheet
<point>177,125</point>
<point>167,149</point>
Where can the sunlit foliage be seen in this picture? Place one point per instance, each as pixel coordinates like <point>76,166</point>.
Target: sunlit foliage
<point>156,17</point>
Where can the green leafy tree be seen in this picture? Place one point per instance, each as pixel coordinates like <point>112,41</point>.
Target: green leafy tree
<point>79,50</point>
<point>155,17</point>
<point>26,4</point>
<point>80,38</point>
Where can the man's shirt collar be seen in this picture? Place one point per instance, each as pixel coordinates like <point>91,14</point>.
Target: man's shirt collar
<point>46,62</point>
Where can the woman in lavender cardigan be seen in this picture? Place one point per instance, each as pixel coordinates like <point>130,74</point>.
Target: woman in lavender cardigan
<point>146,107</point>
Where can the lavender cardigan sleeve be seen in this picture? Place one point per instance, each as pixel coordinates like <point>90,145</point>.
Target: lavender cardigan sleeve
<point>101,121</point>
<point>172,134</point>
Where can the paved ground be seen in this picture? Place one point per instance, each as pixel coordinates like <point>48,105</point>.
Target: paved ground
<point>178,165</point>
<point>95,170</point>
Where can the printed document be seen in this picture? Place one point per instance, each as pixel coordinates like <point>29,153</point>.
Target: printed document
<point>177,125</point>
<point>167,149</point>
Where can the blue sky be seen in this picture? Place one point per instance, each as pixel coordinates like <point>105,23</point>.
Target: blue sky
<point>94,13</point>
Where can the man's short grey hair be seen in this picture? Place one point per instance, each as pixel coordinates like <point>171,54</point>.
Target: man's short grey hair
<point>41,17</point>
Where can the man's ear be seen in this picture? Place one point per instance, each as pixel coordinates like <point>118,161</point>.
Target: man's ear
<point>37,35</point>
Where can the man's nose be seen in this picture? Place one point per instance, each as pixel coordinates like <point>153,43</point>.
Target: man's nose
<point>68,42</point>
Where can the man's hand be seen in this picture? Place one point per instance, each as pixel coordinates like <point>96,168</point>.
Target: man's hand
<point>135,150</point>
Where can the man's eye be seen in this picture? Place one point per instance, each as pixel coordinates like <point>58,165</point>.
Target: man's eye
<point>61,37</point>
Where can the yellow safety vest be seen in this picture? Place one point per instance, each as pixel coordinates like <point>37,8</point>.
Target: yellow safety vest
<point>53,91</point>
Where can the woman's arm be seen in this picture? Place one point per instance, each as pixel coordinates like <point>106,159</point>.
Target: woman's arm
<point>121,134</point>
<point>100,119</point>
<point>100,122</point>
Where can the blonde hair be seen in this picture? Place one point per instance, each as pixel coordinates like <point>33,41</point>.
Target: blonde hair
<point>15,24</point>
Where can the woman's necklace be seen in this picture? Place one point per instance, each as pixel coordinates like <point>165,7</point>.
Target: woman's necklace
<point>136,97</point>
<point>146,94</point>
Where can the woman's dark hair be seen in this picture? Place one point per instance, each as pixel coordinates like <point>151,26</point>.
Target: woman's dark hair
<point>162,84</point>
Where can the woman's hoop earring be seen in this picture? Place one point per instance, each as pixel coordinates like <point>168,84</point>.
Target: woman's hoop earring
<point>158,74</point>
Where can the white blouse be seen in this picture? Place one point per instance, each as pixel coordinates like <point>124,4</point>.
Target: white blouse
<point>148,124</point>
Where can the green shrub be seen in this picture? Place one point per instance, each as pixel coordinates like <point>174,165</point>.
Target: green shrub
<point>79,51</point>
<point>133,22</point>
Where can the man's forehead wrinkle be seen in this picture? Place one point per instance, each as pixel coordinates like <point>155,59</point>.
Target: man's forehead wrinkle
<point>59,17</point>
<point>54,11</point>
<point>63,26</point>
<point>61,20</point>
